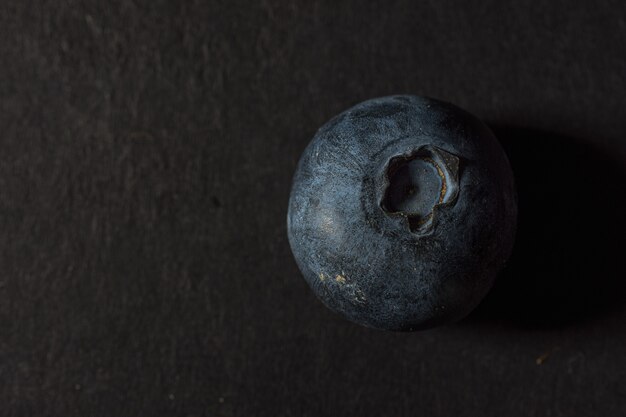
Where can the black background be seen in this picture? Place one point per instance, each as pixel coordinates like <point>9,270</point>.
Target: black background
<point>146,154</point>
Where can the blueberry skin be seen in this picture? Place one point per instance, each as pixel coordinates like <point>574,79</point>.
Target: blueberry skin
<point>402,211</point>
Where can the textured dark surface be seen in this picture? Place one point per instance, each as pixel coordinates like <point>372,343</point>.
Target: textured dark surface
<point>376,266</point>
<point>146,153</point>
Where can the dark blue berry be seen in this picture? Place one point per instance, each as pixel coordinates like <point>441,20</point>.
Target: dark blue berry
<point>401,213</point>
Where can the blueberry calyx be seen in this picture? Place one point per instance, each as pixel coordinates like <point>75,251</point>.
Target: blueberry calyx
<point>417,183</point>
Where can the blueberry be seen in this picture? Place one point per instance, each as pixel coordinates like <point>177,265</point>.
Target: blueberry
<point>402,211</point>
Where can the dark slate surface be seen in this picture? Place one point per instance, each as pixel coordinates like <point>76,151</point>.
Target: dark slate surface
<point>146,153</point>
